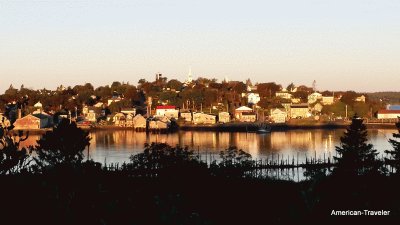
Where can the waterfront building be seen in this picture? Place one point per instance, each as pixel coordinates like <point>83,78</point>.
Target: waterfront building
<point>158,125</point>
<point>243,109</point>
<point>224,117</point>
<point>299,111</point>
<point>168,111</point>
<point>90,113</point>
<point>278,115</point>
<point>33,121</point>
<point>203,118</point>
<point>187,116</point>
<point>119,119</point>
<point>248,117</point>
<point>388,114</point>
<point>139,121</point>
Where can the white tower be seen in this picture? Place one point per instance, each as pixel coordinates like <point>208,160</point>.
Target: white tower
<point>190,78</point>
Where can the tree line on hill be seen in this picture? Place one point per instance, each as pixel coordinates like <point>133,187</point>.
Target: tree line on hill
<point>202,93</point>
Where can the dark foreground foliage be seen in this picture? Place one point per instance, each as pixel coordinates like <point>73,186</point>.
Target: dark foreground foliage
<point>170,185</point>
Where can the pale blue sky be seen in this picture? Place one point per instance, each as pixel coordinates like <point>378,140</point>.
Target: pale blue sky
<point>342,44</point>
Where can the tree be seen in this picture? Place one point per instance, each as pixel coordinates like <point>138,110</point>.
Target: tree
<point>163,160</point>
<point>349,97</point>
<point>12,158</point>
<point>337,109</point>
<point>62,146</point>
<point>357,157</point>
<point>268,89</point>
<point>234,163</point>
<point>175,84</point>
<point>11,91</point>
<point>361,109</point>
<point>290,87</point>
<point>395,153</point>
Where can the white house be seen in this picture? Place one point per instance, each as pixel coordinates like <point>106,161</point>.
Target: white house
<point>314,97</point>
<point>278,115</point>
<point>167,110</point>
<point>243,109</point>
<point>187,116</point>
<point>158,125</point>
<point>224,117</point>
<point>253,98</point>
<point>360,99</point>
<point>139,121</point>
<point>299,111</point>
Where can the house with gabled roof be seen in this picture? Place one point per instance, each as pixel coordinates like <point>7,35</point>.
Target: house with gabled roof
<point>243,109</point>
<point>278,115</point>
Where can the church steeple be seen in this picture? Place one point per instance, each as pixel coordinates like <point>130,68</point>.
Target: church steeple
<point>190,78</point>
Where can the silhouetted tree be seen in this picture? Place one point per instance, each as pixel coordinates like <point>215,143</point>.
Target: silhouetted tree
<point>357,157</point>
<point>290,87</point>
<point>395,153</point>
<point>161,159</point>
<point>234,156</point>
<point>12,158</point>
<point>64,145</point>
<point>234,163</point>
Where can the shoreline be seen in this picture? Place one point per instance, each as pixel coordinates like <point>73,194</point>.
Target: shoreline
<point>234,127</point>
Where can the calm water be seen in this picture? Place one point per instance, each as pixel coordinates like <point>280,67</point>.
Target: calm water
<point>117,146</point>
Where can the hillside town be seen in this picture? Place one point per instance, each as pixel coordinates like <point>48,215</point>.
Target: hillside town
<point>162,104</point>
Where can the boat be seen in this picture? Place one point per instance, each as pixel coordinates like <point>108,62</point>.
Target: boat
<point>263,128</point>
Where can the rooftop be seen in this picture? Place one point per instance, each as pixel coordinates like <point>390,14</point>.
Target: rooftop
<point>385,111</point>
<point>165,107</point>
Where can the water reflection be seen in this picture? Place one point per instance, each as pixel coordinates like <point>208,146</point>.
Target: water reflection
<point>117,146</point>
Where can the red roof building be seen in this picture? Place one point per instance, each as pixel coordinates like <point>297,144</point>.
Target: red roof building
<point>388,114</point>
<point>165,107</point>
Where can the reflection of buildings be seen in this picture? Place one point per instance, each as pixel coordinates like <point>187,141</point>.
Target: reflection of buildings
<point>301,140</point>
<point>118,145</point>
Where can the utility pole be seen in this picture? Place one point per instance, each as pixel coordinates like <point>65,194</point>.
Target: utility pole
<point>346,112</point>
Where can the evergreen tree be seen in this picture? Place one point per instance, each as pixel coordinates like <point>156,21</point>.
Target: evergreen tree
<point>62,146</point>
<point>357,157</point>
<point>395,153</point>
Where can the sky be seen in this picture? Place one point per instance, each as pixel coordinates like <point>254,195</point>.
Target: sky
<point>342,44</point>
